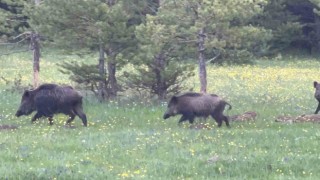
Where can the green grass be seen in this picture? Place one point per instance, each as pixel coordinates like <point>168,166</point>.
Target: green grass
<point>133,141</point>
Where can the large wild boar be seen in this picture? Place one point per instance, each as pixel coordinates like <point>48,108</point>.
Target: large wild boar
<point>50,99</point>
<point>191,105</point>
<point>316,85</point>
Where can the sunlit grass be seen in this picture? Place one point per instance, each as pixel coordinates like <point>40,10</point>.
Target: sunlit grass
<point>133,141</point>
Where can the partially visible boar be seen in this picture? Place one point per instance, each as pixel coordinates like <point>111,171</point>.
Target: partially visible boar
<point>50,99</point>
<point>316,85</point>
<point>191,105</point>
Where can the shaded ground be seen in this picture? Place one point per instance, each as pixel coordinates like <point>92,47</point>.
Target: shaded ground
<point>69,126</point>
<point>298,119</point>
<point>200,126</point>
<point>7,127</point>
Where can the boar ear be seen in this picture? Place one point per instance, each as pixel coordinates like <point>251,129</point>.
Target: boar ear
<point>315,83</point>
<point>174,99</point>
<point>26,93</point>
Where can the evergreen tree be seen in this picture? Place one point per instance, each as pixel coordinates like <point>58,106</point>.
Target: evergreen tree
<point>89,24</point>
<point>284,25</point>
<point>315,34</point>
<point>158,66</point>
<point>12,19</point>
<point>219,27</point>
<point>15,29</point>
<point>308,13</point>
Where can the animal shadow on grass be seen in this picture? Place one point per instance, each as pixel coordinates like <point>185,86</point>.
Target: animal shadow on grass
<point>69,127</point>
<point>200,126</point>
<point>7,127</point>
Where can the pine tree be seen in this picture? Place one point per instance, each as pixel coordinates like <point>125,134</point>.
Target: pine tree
<point>12,19</point>
<point>283,24</point>
<point>89,24</point>
<point>315,34</point>
<point>158,66</point>
<point>219,28</point>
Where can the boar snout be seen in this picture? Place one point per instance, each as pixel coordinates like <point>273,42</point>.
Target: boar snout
<point>166,116</point>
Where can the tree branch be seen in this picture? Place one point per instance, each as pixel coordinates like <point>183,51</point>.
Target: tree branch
<point>22,34</point>
<point>214,58</point>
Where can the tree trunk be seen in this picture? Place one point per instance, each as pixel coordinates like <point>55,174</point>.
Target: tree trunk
<point>112,87</point>
<point>201,61</point>
<point>35,45</point>
<point>111,2</point>
<point>159,65</point>
<point>316,50</point>
<point>102,73</point>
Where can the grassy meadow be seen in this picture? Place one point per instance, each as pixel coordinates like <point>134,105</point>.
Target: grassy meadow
<point>132,141</point>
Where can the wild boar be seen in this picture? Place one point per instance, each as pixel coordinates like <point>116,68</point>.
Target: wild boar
<point>50,99</point>
<point>316,85</point>
<point>191,105</point>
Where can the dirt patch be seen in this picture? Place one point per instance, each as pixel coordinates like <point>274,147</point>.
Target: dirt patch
<point>308,118</point>
<point>8,127</point>
<point>213,159</point>
<point>285,119</point>
<point>247,116</point>
<point>299,119</point>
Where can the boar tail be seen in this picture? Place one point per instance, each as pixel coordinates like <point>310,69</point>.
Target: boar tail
<point>230,107</point>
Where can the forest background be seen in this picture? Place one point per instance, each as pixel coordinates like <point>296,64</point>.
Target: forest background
<point>152,47</point>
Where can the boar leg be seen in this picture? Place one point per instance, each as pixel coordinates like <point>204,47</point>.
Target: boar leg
<point>218,119</point>
<point>191,119</point>
<point>72,116</point>
<point>36,116</point>
<point>183,118</point>
<point>79,112</point>
<point>318,108</point>
<point>225,118</point>
<point>50,118</point>
<point>188,116</point>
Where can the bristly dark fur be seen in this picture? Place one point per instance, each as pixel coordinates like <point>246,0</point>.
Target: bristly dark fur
<point>50,99</point>
<point>191,94</point>
<point>51,86</point>
<point>191,105</point>
<point>47,86</point>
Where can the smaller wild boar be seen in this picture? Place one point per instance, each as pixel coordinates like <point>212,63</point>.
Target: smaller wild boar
<point>50,99</point>
<point>316,85</point>
<point>191,105</point>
